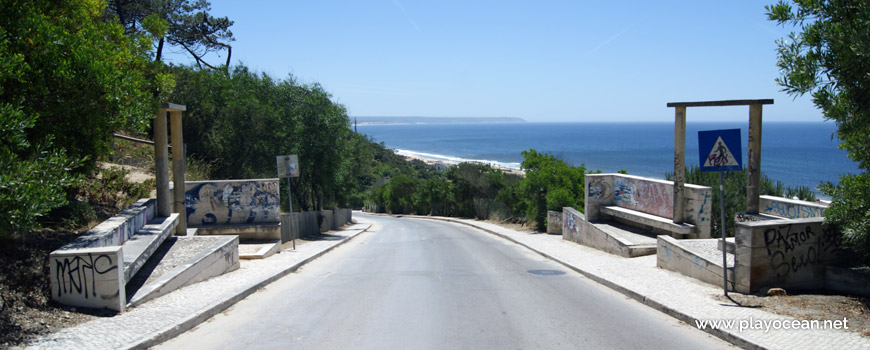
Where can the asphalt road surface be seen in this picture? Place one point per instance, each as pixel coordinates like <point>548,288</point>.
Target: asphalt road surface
<point>426,284</point>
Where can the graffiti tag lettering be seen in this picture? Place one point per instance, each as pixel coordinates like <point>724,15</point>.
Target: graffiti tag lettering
<point>792,248</point>
<point>78,274</point>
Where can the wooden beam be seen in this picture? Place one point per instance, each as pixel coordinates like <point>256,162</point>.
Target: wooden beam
<point>753,173</point>
<point>721,103</point>
<point>679,163</point>
<point>161,164</point>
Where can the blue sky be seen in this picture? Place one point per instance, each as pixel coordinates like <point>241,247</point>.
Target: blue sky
<point>537,60</point>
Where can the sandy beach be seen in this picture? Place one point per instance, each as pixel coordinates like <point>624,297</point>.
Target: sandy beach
<point>442,164</point>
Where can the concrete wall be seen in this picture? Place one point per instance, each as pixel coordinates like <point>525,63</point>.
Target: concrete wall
<point>790,208</point>
<point>341,217</point>
<point>89,271</point>
<point>649,196</point>
<point>117,229</point>
<point>308,223</point>
<point>577,229</point>
<point>554,222</point>
<point>231,202</point>
<point>326,220</point>
<point>784,253</point>
<point>305,224</point>
<point>672,255</point>
<point>88,277</point>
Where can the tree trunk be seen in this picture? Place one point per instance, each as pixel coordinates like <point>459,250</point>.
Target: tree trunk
<point>159,50</point>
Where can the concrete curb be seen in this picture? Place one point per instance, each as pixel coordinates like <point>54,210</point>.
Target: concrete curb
<point>195,319</point>
<point>689,320</point>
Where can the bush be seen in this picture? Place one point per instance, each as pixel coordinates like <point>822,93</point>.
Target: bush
<point>550,184</point>
<point>34,176</point>
<point>849,212</point>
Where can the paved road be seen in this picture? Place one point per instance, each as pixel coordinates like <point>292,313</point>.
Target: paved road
<point>424,284</point>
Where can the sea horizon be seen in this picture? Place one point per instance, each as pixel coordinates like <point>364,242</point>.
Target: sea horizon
<point>801,153</point>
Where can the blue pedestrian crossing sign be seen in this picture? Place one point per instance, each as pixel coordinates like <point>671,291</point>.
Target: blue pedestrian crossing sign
<point>719,150</point>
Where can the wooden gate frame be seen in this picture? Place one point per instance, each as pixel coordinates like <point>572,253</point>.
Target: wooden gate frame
<point>754,164</point>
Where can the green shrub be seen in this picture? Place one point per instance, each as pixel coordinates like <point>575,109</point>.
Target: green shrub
<point>849,212</point>
<point>33,177</point>
<point>550,184</point>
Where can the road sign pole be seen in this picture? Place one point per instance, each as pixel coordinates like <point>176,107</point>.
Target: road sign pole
<point>290,205</point>
<point>724,234</point>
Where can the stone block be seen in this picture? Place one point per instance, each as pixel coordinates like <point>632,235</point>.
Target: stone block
<point>791,208</point>
<point>88,277</point>
<point>554,222</point>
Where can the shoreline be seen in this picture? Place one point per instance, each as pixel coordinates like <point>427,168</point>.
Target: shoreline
<point>442,164</point>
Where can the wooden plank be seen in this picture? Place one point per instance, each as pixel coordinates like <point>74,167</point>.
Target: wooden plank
<point>161,164</point>
<point>721,103</point>
<point>753,181</point>
<point>679,164</point>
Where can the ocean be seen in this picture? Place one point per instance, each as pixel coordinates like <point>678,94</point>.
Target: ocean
<point>797,154</point>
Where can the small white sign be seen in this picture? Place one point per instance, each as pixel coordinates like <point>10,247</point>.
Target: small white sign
<point>288,166</point>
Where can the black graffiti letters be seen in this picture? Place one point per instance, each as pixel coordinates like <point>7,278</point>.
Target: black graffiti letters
<point>792,248</point>
<point>77,274</point>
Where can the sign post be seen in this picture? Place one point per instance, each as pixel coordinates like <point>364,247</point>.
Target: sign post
<point>719,150</point>
<point>288,166</point>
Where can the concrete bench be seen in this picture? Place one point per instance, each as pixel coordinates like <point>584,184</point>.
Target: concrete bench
<point>648,204</point>
<point>93,269</point>
<point>651,222</point>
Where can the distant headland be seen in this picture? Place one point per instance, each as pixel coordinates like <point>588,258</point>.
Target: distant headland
<point>433,120</point>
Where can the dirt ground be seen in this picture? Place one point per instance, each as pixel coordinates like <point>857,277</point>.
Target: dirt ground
<point>26,309</point>
<point>812,306</point>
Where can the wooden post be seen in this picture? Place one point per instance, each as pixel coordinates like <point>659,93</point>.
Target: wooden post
<point>753,181</point>
<point>161,164</point>
<point>178,172</point>
<point>679,163</point>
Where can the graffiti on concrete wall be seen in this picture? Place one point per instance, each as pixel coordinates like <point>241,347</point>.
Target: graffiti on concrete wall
<point>793,210</point>
<point>794,247</point>
<point>645,196</point>
<point>599,189</point>
<point>232,202</point>
<point>78,274</point>
<point>570,226</point>
<point>704,209</point>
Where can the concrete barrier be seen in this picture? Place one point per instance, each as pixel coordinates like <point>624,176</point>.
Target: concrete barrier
<point>93,270</point>
<point>577,229</point>
<point>688,258</point>
<point>342,216</point>
<point>89,277</point>
<point>554,222</point>
<point>246,208</point>
<point>325,220</point>
<point>306,224</point>
<point>791,208</point>
<point>224,202</point>
<point>784,253</point>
